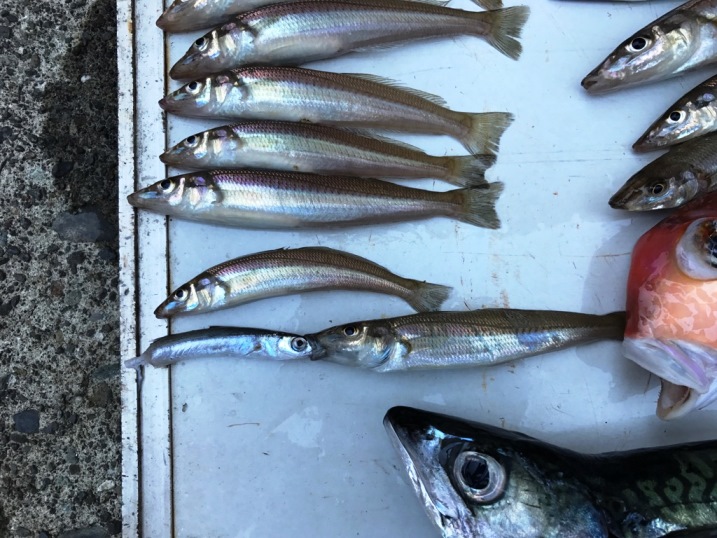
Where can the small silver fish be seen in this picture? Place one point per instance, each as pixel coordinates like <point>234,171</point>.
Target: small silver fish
<point>284,200</point>
<point>189,15</point>
<point>318,149</point>
<point>225,342</point>
<point>459,339</point>
<point>693,115</point>
<point>285,271</point>
<point>354,101</point>
<point>300,32</point>
<point>683,39</point>
<point>683,173</point>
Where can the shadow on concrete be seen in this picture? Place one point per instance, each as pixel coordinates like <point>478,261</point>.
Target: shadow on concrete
<point>80,133</point>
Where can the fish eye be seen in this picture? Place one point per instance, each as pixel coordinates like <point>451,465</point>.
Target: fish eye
<point>180,294</point>
<point>193,86</point>
<point>676,116</point>
<point>351,330</point>
<point>201,43</point>
<point>190,141</point>
<point>299,343</point>
<point>657,188</point>
<point>165,184</point>
<point>479,476</point>
<point>638,43</point>
<point>696,251</point>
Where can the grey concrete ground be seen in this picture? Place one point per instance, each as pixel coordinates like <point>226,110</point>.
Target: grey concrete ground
<point>59,371</point>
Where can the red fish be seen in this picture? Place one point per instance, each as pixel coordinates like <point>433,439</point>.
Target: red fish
<point>672,307</point>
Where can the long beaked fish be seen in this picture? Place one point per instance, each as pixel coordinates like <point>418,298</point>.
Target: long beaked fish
<point>300,32</point>
<point>286,200</point>
<point>340,100</point>
<point>673,179</point>
<point>189,15</point>
<point>224,342</point>
<point>476,480</point>
<point>318,149</point>
<point>460,339</point>
<point>274,273</point>
<point>682,40</point>
<point>692,116</point>
<point>671,315</point>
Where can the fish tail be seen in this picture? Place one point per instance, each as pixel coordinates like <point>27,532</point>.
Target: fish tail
<point>485,131</point>
<point>427,297</point>
<point>506,27</point>
<point>469,170</point>
<point>615,325</point>
<point>477,205</point>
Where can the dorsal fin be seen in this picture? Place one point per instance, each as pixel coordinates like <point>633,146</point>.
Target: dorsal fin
<point>435,99</point>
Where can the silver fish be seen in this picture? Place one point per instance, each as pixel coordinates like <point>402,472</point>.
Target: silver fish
<point>683,173</point>
<point>285,271</point>
<point>276,200</point>
<point>459,339</point>
<point>318,149</point>
<point>354,101</point>
<point>683,39</point>
<point>478,481</point>
<point>225,342</point>
<point>189,15</point>
<point>693,115</point>
<point>300,32</point>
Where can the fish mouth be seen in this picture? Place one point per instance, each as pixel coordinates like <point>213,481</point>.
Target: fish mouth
<point>649,142</point>
<point>688,371</point>
<point>410,434</point>
<point>623,198</point>
<point>143,198</point>
<point>184,68</point>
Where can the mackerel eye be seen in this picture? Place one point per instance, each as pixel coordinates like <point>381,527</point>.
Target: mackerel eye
<point>479,477</point>
<point>638,44</point>
<point>191,141</point>
<point>201,43</point>
<point>676,116</point>
<point>299,344</point>
<point>350,330</point>
<point>165,185</point>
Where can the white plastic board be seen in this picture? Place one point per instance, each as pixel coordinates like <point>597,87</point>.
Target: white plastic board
<point>241,448</point>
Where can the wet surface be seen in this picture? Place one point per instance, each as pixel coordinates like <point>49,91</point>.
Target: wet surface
<point>59,373</point>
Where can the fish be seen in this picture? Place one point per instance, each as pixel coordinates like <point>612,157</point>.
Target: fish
<point>274,273</point>
<point>671,326</point>
<point>683,173</point>
<point>682,40</point>
<point>340,100</point>
<point>224,342</point>
<point>461,339</point>
<point>190,15</point>
<point>306,31</point>
<point>318,149</point>
<point>477,480</point>
<point>287,200</point>
<point>693,115</point>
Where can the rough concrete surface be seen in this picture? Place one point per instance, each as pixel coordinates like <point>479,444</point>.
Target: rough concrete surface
<point>59,369</point>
